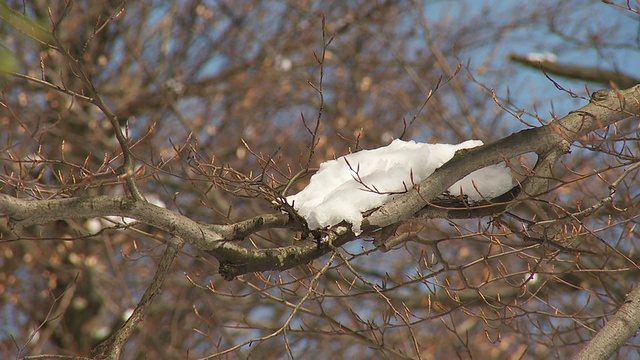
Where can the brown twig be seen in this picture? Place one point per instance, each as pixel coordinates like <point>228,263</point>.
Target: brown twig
<point>113,346</point>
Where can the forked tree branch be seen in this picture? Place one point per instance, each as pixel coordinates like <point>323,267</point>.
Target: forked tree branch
<point>221,241</point>
<point>605,108</point>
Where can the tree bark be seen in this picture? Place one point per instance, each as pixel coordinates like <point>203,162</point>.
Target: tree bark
<point>623,325</point>
<point>582,73</point>
<point>549,142</point>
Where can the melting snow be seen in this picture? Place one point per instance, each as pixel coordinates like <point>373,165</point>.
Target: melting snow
<point>344,188</point>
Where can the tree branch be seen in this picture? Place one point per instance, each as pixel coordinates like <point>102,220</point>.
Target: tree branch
<point>584,73</point>
<point>24,213</point>
<point>623,325</point>
<point>549,142</point>
<point>604,109</point>
<point>128,166</point>
<point>112,347</point>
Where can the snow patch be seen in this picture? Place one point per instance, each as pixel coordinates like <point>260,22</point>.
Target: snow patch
<point>344,188</point>
<point>546,56</point>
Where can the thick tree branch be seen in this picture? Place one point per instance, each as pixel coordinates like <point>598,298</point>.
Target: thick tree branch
<point>549,142</point>
<point>534,185</point>
<point>605,108</point>
<point>583,73</point>
<point>623,325</point>
<point>24,213</point>
<point>286,257</point>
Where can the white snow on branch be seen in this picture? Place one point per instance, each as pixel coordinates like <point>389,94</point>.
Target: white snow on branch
<point>546,56</point>
<point>344,188</point>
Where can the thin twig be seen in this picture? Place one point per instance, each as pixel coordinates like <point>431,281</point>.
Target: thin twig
<point>320,59</point>
<point>128,167</point>
<point>113,346</point>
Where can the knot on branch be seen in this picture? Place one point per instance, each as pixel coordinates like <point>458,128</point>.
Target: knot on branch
<point>600,95</point>
<point>226,270</point>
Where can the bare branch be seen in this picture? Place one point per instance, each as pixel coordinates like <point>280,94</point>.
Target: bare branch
<point>553,137</point>
<point>113,347</point>
<point>623,325</point>
<point>582,73</point>
<point>549,141</point>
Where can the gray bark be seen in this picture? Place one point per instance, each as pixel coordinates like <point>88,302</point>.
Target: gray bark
<point>623,325</point>
<point>549,142</point>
